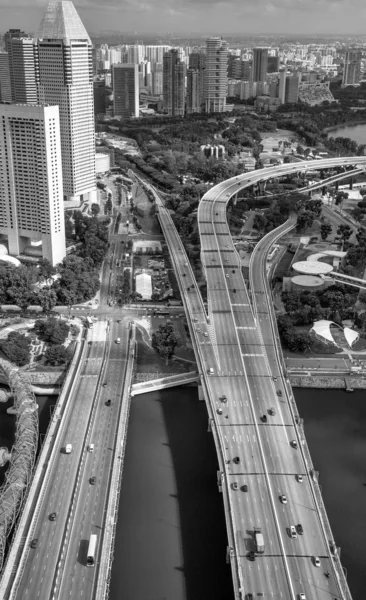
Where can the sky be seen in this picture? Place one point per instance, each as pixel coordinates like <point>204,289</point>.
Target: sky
<point>200,16</point>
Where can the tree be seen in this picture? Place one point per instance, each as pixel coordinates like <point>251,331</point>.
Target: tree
<point>305,219</point>
<point>45,269</point>
<point>56,355</point>
<point>108,205</point>
<point>53,331</point>
<point>345,232</point>
<point>165,340</point>
<point>16,348</point>
<point>325,229</point>
<point>340,197</point>
<point>135,296</point>
<point>155,297</point>
<point>47,298</point>
<point>95,209</point>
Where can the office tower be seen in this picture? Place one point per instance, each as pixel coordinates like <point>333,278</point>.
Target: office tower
<point>174,72</point>
<point>126,90</point>
<point>273,64</point>
<point>12,33</point>
<point>352,68</point>
<point>215,86</point>
<point>99,96</point>
<point>197,62</point>
<point>155,54</point>
<point>292,89</point>
<point>66,79</point>
<point>5,87</point>
<point>282,86</point>
<point>157,83</point>
<point>193,92</point>
<point>260,64</point>
<point>31,195</point>
<point>136,54</point>
<point>23,62</point>
<point>95,61</point>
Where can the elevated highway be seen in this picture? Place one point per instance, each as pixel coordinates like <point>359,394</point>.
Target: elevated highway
<point>260,458</point>
<point>164,382</point>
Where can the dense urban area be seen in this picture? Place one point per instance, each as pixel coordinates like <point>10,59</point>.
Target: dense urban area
<point>175,212</point>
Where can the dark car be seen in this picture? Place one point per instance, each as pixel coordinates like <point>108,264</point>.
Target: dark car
<point>299,529</point>
<point>52,516</point>
<point>236,460</point>
<point>244,488</point>
<point>105,384</point>
<point>251,555</point>
<point>109,402</point>
<point>279,393</point>
<point>264,418</point>
<point>34,543</point>
<point>92,480</point>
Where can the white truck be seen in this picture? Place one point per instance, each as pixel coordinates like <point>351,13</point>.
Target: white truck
<point>259,540</point>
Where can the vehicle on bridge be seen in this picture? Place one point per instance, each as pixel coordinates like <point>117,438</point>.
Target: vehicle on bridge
<point>89,322</point>
<point>68,448</point>
<point>90,559</point>
<point>259,540</point>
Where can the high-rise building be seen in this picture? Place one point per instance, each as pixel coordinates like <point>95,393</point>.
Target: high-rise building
<point>352,68</point>
<point>31,195</point>
<point>292,89</point>
<point>215,86</point>
<point>282,86</point>
<point>193,92</point>
<point>23,62</point>
<point>174,72</point>
<point>66,79</point>
<point>5,87</point>
<point>12,33</point>
<point>126,90</point>
<point>99,96</point>
<point>197,62</point>
<point>260,64</point>
<point>136,54</point>
<point>157,83</point>
<point>273,64</point>
<point>155,54</point>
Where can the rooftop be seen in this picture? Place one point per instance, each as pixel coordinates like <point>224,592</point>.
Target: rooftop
<point>62,22</point>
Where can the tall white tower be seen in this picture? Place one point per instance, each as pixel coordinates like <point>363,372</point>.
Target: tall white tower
<point>31,196</point>
<point>66,79</point>
<point>215,78</point>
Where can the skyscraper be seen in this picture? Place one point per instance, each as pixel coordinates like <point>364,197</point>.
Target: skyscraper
<point>174,72</point>
<point>31,195</point>
<point>126,90</point>
<point>193,92</point>
<point>260,64</point>
<point>157,83</point>
<point>352,68</point>
<point>13,33</point>
<point>282,86</point>
<point>66,79</point>
<point>292,89</point>
<point>215,86</point>
<point>5,87</point>
<point>23,63</point>
<point>197,61</point>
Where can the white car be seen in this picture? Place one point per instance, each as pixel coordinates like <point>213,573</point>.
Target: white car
<point>283,499</point>
<point>205,334</point>
<point>302,596</point>
<point>293,532</point>
<point>227,275</point>
<point>300,478</point>
<point>219,411</point>
<point>316,561</point>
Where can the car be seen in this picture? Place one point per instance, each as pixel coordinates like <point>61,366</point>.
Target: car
<point>34,543</point>
<point>299,529</point>
<point>52,516</point>
<point>299,478</point>
<point>227,275</point>
<point>274,378</point>
<point>244,488</point>
<point>316,561</point>
<point>293,443</point>
<point>293,532</point>
<point>251,555</point>
<point>198,330</point>
<point>234,485</point>
<point>205,334</point>
<point>109,402</point>
<point>302,596</point>
<point>279,392</point>
<point>264,418</point>
<point>219,410</point>
<point>183,274</point>
<point>236,460</point>
<point>186,264</point>
<point>92,480</point>
<point>272,411</point>
<point>223,398</point>
<point>283,499</point>
<point>105,384</point>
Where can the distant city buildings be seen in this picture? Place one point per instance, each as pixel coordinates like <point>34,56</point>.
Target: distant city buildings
<point>352,68</point>
<point>126,90</point>
<point>215,78</point>
<point>5,85</point>
<point>31,194</point>
<point>260,64</point>
<point>174,72</point>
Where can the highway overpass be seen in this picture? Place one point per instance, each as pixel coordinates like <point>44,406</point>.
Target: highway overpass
<point>260,446</point>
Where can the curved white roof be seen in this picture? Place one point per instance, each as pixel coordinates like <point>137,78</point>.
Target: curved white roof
<point>10,259</point>
<point>322,328</point>
<point>315,257</point>
<point>307,280</point>
<point>144,285</point>
<point>351,336</point>
<point>312,267</point>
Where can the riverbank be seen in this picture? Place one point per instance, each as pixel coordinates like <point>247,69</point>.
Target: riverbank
<point>349,123</point>
<point>328,382</point>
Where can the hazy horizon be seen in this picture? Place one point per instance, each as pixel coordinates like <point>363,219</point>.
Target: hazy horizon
<point>201,17</point>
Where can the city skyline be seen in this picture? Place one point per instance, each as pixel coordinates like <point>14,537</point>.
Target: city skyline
<point>223,16</point>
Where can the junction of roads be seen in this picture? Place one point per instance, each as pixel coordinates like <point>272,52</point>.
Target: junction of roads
<point>265,471</point>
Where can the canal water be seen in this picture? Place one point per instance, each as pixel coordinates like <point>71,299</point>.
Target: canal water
<point>355,132</point>
<point>171,534</point>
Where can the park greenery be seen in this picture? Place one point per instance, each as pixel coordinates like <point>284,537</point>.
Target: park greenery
<point>16,348</point>
<point>57,355</point>
<point>52,331</point>
<point>165,340</point>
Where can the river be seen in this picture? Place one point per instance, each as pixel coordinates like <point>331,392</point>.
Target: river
<point>355,132</point>
<point>171,535</point>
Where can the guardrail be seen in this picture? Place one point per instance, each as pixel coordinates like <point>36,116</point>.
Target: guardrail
<point>318,499</point>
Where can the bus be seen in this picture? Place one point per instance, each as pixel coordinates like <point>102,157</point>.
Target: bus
<point>90,559</point>
<point>89,322</point>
